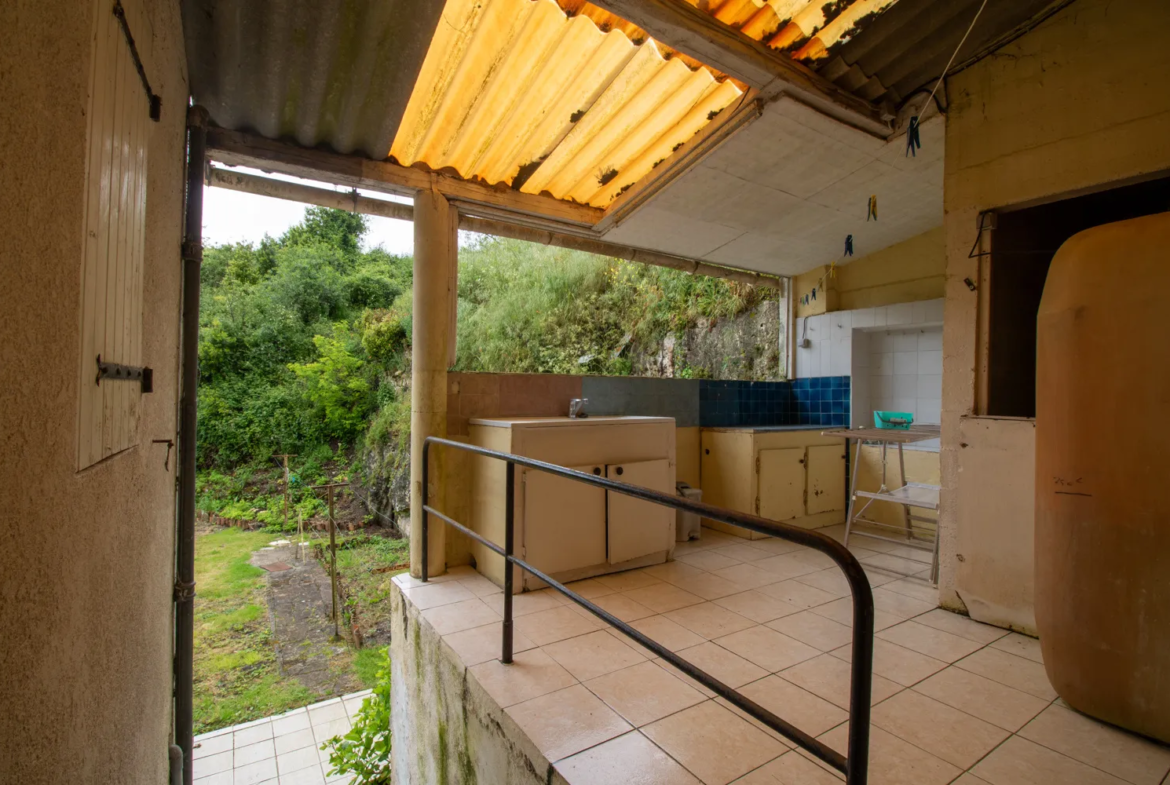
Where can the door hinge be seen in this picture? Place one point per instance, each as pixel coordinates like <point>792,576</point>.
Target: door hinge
<point>757,464</point>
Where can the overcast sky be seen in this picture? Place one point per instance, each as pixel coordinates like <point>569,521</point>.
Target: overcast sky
<point>234,216</point>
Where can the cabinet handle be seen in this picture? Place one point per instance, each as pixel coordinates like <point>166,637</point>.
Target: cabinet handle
<point>706,452</point>
<point>597,471</point>
<point>620,471</point>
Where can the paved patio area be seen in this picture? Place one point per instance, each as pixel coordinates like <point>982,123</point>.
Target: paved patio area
<point>955,701</point>
<point>280,750</point>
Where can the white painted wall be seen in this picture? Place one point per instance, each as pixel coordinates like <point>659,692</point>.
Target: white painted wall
<point>831,335</point>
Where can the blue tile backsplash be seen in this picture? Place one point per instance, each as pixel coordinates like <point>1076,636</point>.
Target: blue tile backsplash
<point>822,400</point>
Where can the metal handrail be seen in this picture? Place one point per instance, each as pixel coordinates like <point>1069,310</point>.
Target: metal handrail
<point>855,766</point>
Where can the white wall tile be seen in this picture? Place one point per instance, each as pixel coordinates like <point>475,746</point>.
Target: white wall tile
<point>930,363</point>
<point>906,362</point>
<point>906,341</point>
<point>930,340</point>
<point>906,385</point>
<point>882,363</point>
<point>840,326</point>
<point>881,387</point>
<point>906,405</point>
<point>900,314</point>
<point>929,410</point>
<point>862,317</point>
<point>934,311</point>
<point>880,316</point>
<point>929,386</point>
<point>841,364</point>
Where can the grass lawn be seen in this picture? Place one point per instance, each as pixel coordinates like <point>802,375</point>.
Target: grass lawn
<point>237,676</point>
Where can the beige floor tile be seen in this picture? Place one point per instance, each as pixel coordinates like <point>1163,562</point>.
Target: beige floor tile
<point>815,630</point>
<point>480,644</point>
<point>590,588</point>
<point>791,768</point>
<point>556,624</point>
<point>630,758</point>
<point>593,654</point>
<point>693,546</point>
<point>898,664</point>
<point>709,620</point>
<point>304,758</point>
<point>663,597</point>
<point>624,581</point>
<point>643,693</point>
<point>326,711</point>
<point>709,560</point>
<point>731,669</point>
<point>213,764</point>
<point>255,773</point>
<point>893,761</point>
<point>671,571</point>
<point>296,740</point>
<point>918,589</point>
<point>219,778</point>
<point>744,552</point>
<point>624,608</point>
<point>460,616</point>
<point>250,734</point>
<point>685,679</point>
<point>981,697</point>
<point>708,586</point>
<point>775,546</point>
<point>327,730</point>
<point>1011,670</point>
<point>787,566</point>
<point>669,633</point>
<point>829,581</point>
<point>773,651</point>
<point>309,776</point>
<point>958,624</point>
<point>289,722</point>
<point>478,585</point>
<point>929,641</point>
<point>829,678</point>
<point>880,577</point>
<point>812,714</point>
<point>1099,745</point>
<point>531,674</point>
<point>798,594</point>
<point>1021,762</point>
<point>814,557</point>
<point>913,554</point>
<point>1021,646</point>
<point>527,602</point>
<point>214,745</point>
<point>567,721</point>
<point>432,595</point>
<point>947,733</point>
<point>748,575</point>
<point>626,640</point>
<point>841,611</point>
<point>900,605</point>
<point>713,743</point>
<point>893,564</point>
<point>756,605</point>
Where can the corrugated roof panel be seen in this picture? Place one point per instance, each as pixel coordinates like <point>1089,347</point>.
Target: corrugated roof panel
<point>519,92</point>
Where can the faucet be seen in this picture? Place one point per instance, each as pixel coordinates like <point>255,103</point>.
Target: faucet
<point>577,408</point>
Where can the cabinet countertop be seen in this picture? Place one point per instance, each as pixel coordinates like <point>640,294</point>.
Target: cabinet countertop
<point>766,428</point>
<point>562,422</point>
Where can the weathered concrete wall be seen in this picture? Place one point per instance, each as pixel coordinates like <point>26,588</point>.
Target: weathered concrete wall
<point>446,728</point>
<point>1078,102</point>
<point>86,558</point>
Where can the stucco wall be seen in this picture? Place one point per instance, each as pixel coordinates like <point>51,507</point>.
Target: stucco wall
<point>1078,102</point>
<point>85,558</point>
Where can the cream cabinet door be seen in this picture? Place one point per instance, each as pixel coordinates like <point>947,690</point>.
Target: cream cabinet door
<point>636,527</point>
<point>564,522</point>
<point>781,483</point>
<point>826,478</point>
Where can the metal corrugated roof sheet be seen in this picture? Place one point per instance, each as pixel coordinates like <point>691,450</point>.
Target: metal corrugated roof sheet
<point>522,93</point>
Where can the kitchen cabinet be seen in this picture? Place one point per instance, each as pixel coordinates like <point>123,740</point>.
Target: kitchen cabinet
<point>565,528</point>
<point>785,473</point>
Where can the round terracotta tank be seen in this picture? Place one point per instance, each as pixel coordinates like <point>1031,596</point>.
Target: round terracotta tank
<point>1103,474</point>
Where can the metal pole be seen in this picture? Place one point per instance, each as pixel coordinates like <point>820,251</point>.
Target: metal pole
<point>333,562</point>
<point>852,490</point>
<point>184,591</point>
<point>509,544</point>
<point>426,499</point>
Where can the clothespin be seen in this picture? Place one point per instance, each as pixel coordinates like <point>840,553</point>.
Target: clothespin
<point>849,245</point>
<point>814,293</point>
<point>832,269</point>
<point>872,209</point>
<point>913,140</point>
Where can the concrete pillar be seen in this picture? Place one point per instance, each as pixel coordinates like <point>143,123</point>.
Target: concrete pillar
<point>435,255</point>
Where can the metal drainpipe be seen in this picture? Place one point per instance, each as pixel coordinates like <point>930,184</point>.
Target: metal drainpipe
<point>189,377</point>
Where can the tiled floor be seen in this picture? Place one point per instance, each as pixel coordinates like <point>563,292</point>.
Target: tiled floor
<point>280,750</point>
<point>954,700</point>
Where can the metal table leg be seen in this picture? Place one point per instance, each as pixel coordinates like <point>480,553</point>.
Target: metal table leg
<point>852,489</point>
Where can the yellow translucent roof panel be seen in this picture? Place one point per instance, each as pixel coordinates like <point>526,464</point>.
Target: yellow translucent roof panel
<point>525,93</point>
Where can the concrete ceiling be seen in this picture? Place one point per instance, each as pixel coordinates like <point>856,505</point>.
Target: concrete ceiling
<point>781,195</point>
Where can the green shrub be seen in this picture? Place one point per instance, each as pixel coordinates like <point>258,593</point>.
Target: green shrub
<point>365,751</point>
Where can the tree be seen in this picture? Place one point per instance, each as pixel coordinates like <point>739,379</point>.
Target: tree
<point>336,228</point>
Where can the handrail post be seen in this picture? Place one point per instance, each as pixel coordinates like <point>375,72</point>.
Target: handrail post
<point>509,544</point>
<point>861,681</point>
<point>426,500</point>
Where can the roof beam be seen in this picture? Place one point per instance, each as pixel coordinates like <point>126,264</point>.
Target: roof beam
<point>236,148</point>
<point>309,194</point>
<point>684,27</point>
